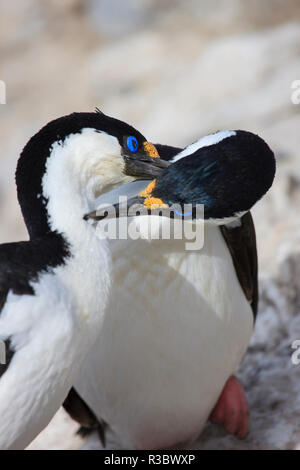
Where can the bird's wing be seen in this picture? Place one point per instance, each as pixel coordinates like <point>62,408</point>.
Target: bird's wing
<point>76,407</point>
<point>241,242</point>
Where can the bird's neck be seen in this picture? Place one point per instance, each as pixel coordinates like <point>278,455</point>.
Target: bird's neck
<point>65,197</point>
<point>87,274</point>
<point>86,270</point>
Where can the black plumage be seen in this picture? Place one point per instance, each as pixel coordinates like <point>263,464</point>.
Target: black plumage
<point>228,177</point>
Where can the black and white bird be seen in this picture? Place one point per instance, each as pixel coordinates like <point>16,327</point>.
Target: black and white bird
<point>178,322</point>
<point>49,313</point>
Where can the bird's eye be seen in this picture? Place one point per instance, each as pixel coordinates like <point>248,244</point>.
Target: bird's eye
<point>132,143</point>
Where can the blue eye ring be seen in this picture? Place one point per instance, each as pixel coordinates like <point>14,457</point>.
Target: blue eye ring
<point>132,143</point>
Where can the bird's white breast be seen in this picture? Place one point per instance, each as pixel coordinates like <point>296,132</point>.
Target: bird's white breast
<point>176,326</point>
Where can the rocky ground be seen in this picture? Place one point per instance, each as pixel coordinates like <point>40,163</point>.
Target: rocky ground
<point>176,70</point>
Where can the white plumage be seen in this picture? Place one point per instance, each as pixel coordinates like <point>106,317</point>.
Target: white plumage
<point>176,326</point>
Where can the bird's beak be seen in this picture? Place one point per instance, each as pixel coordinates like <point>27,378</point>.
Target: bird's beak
<point>145,163</point>
<point>115,211</point>
<point>142,204</point>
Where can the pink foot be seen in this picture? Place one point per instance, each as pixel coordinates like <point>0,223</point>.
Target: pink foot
<point>232,410</point>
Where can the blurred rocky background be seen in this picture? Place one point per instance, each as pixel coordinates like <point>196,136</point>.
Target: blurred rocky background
<point>176,70</point>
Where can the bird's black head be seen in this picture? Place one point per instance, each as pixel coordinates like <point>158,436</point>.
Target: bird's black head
<point>93,151</point>
<point>228,172</point>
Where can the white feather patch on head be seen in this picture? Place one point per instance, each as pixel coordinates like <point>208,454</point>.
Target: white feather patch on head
<point>206,141</point>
